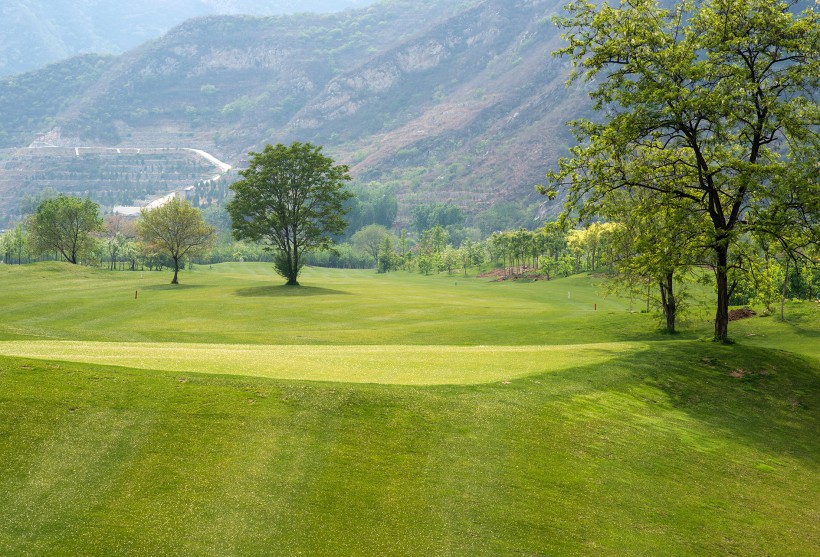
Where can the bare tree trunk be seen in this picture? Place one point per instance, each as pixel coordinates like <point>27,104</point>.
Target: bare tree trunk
<point>722,279</point>
<point>293,266</point>
<point>648,295</point>
<point>668,301</point>
<point>783,293</point>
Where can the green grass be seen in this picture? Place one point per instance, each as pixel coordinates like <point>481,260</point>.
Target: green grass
<point>247,304</point>
<point>643,445</point>
<point>402,365</point>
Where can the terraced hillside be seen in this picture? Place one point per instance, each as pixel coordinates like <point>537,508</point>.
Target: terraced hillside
<point>111,177</point>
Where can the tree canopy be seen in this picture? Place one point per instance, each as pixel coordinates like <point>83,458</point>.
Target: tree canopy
<point>65,225</point>
<point>175,229</point>
<point>708,111</point>
<point>370,240</point>
<point>291,198</point>
<point>442,214</point>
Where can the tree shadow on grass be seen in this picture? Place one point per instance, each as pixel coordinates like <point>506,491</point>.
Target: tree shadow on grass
<point>811,335</point>
<point>182,286</point>
<point>283,291</point>
<point>766,397</point>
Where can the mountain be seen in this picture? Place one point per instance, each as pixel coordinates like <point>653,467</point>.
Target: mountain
<point>47,31</point>
<point>441,100</point>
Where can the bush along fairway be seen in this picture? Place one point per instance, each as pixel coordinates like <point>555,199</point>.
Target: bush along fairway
<point>585,433</point>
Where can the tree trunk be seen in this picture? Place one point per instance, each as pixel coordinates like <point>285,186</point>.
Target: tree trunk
<point>294,269</point>
<point>648,295</point>
<point>783,293</point>
<point>176,271</point>
<point>668,301</point>
<point>722,279</point>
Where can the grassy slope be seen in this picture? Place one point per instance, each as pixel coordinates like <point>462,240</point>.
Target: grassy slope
<point>684,448</point>
<point>247,304</point>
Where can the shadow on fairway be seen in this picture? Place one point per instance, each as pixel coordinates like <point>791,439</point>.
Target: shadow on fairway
<point>282,291</point>
<point>809,334</point>
<point>171,286</point>
<point>764,397</point>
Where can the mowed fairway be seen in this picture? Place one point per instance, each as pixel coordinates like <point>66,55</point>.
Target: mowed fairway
<point>394,415</point>
<point>405,365</point>
<point>247,304</point>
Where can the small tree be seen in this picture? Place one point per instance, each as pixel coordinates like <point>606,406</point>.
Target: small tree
<point>424,263</point>
<point>449,258</point>
<point>65,225</point>
<point>466,253</point>
<point>387,259</point>
<point>293,200</point>
<point>369,240</point>
<point>119,232</point>
<point>175,229</point>
<point>14,243</point>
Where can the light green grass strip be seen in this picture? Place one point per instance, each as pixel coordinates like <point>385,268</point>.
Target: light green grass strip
<point>391,364</point>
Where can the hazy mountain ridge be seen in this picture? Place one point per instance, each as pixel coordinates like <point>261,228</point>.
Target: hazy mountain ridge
<point>46,31</point>
<point>444,100</point>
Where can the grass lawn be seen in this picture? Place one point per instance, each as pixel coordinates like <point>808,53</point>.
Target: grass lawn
<point>385,364</point>
<point>394,415</point>
<point>247,304</point>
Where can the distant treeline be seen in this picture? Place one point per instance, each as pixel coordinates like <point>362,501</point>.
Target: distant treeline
<point>549,252</point>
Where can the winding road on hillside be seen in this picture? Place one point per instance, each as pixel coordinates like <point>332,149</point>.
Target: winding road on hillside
<point>222,166</point>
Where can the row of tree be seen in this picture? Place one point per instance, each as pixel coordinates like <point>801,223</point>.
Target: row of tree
<point>291,200</point>
<point>72,229</point>
<point>616,251</point>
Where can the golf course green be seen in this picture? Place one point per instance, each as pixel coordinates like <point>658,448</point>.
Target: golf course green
<point>397,414</point>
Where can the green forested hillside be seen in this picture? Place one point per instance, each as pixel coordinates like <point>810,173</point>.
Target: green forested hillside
<point>442,100</point>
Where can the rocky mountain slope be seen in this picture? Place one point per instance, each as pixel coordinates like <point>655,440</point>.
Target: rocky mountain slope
<point>46,31</point>
<point>444,100</point>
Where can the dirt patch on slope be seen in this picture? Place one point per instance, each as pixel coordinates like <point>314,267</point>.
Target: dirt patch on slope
<point>737,314</point>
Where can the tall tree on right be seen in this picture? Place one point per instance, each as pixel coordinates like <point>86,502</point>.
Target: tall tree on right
<point>707,106</point>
